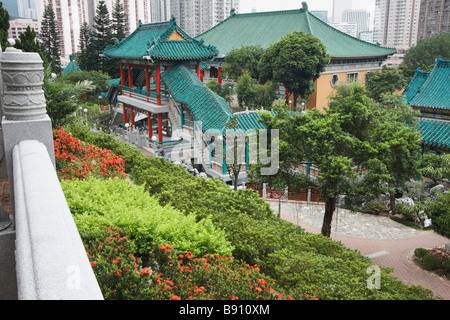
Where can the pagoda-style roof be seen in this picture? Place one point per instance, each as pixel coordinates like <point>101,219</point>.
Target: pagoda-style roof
<point>266,28</point>
<point>161,41</point>
<point>435,132</point>
<point>72,66</point>
<point>430,89</point>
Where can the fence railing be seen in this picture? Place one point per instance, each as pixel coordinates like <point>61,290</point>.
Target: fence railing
<point>307,195</point>
<point>51,262</point>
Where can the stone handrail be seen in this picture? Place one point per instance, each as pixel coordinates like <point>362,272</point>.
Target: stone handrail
<point>51,262</point>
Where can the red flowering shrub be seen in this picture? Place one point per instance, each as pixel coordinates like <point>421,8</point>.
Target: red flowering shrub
<point>168,276</point>
<point>75,160</point>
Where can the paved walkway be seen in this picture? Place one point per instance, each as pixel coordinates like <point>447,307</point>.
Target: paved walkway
<point>386,242</point>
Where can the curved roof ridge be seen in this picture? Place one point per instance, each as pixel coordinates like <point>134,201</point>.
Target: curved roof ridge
<point>345,34</point>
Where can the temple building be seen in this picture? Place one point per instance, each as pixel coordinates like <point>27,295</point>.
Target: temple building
<point>161,87</point>
<point>351,58</point>
<point>429,92</point>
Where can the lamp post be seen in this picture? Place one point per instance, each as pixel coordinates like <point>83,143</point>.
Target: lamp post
<point>85,114</point>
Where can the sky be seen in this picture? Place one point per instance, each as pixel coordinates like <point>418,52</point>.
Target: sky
<point>271,5</point>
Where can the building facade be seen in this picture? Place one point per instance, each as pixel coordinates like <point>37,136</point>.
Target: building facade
<point>360,17</point>
<point>396,23</point>
<point>434,18</point>
<point>19,25</point>
<point>339,6</point>
<point>195,16</point>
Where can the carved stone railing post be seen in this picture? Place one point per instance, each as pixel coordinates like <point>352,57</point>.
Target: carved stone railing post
<point>24,107</point>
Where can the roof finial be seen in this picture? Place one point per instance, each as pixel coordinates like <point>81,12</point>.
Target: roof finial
<point>232,11</point>
<point>173,19</point>
<point>304,6</point>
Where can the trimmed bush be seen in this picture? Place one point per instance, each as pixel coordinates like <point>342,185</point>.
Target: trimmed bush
<point>430,262</point>
<point>420,252</point>
<point>446,267</point>
<point>97,204</point>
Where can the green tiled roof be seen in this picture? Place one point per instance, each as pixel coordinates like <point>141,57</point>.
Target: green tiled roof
<point>72,66</point>
<point>206,106</point>
<point>266,28</point>
<point>152,40</point>
<point>435,132</point>
<point>415,84</point>
<point>434,93</point>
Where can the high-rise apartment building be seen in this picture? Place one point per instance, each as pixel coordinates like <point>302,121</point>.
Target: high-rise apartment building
<point>339,6</point>
<point>359,17</point>
<point>434,18</point>
<point>396,23</point>
<point>71,14</point>
<point>194,16</point>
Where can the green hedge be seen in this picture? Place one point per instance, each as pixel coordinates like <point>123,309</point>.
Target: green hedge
<point>97,204</point>
<point>300,262</point>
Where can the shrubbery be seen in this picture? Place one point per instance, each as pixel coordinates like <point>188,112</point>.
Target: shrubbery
<point>164,274</point>
<point>97,204</point>
<point>301,263</point>
<point>436,259</point>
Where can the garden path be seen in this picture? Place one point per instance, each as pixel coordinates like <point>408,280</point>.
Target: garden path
<point>386,242</point>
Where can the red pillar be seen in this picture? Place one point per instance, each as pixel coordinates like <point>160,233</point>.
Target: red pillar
<point>122,75</point>
<point>160,138</point>
<point>147,81</point>
<point>286,93</point>
<point>158,85</point>
<point>124,113</point>
<point>150,129</point>
<point>219,76</point>
<point>132,117</point>
<point>202,73</point>
<point>197,69</point>
<point>130,78</point>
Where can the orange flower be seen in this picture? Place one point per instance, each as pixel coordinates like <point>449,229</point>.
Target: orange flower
<point>175,297</point>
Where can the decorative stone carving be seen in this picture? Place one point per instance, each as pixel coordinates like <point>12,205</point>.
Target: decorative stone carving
<point>23,76</point>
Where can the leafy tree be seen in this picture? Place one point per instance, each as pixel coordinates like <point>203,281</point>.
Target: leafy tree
<point>296,61</point>
<point>356,145</point>
<point>62,98</point>
<point>27,42</point>
<point>4,27</point>
<point>225,90</point>
<point>435,166</point>
<point>253,95</point>
<point>239,60</point>
<point>388,80</point>
<point>49,36</point>
<point>424,54</point>
<point>99,79</point>
<point>235,161</point>
<point>119,21</point>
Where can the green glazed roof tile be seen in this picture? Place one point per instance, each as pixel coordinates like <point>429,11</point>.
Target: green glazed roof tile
<point>415,84</point>
<point>152,40</point>
<point>435,132</point>
<point>266,28</point>
<point>434,93</point>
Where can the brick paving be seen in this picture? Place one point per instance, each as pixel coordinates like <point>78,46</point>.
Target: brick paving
<point>390,244</point>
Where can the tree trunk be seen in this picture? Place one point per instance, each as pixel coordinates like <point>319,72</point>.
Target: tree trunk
<point>392,199</point>
<point>330,206</point>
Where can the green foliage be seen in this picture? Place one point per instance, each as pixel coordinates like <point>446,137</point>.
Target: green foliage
<point>98,78</point>
<point>86,55</point>
<point>425,53</point>
<point>62,98</point>
<point>430,262</point>
<point>296,61</point>
<point>237,61</point>
<point>388,80</point>
<point>435,166</point>
<point>440,214</point>
<point>119,21</point>
<point>253,95</point>
<point>420,252</point>
<point>96,204</point>
<point>446,267</point>
<point>405,212</point>
<point>375,207</point>
<point>281,249</point>
<point>4,27</point>
<point>49,36</point>
<point>225,90</point>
